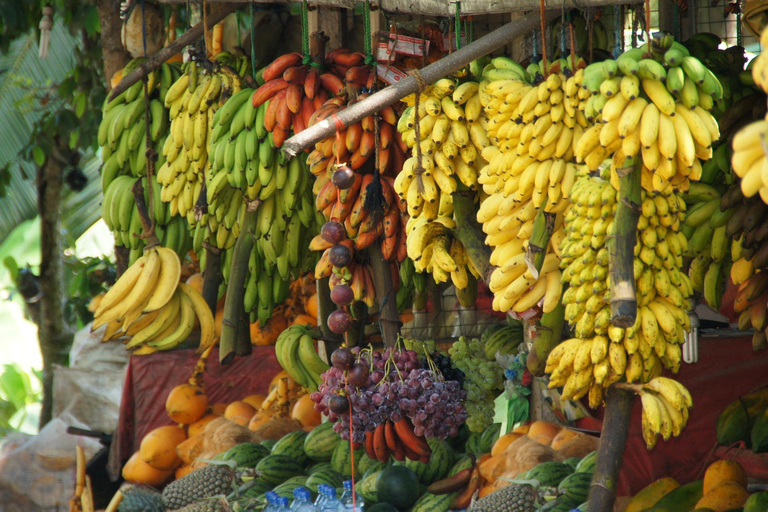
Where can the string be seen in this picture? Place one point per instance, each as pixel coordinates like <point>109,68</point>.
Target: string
<point>351,452</point>
<point>368,37</point>
<point>253,42</point>
<point>573,45</point>
<point>543,40</point>
<point>648,23</point>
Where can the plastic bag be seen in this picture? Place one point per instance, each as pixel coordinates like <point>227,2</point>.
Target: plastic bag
<point>91,397</point>
<point>42,467</point>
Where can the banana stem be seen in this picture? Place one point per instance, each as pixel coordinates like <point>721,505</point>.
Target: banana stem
<point>148,231</point>
<point>233,306</point>
<point>211,276</point>
<point>543,226</point>
<point>470,234</point>
<point>613,439</point>
<point>547,336</point>
<point>622,244</point>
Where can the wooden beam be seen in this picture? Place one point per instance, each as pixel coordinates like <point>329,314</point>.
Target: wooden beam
<point>172,49</point>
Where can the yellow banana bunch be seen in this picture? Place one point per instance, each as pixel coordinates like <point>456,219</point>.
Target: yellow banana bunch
<point>193,100</point>
<point>531,169</point>
<point>665,409</point>
<point>433,249</point>
<point>760,66</point>
<point>150,305</point>
<point>749,160</point>
<point>655,108</point>
<point>601,354</point>
<point>452,129</point>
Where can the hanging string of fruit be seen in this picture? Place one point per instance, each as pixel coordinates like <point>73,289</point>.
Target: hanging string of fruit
<point>121,137</point>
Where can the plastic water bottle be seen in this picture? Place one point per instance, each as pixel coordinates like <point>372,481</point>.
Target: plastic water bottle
<point>322,496</point>
<point>332,504</point>
<point>298,498</point>
<point>271,505</point>
<point>305,501</point>
<point>282,504</point>
<point>348,503</point>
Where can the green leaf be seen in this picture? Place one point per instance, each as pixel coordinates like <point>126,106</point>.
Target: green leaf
<point>73,138</point>
<point>91,22</point>
<point>80,103</point>
<point>38,155</point>
<point>14,385</point>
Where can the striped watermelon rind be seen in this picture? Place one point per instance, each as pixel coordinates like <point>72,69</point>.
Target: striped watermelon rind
<point>321,442</point>
<point>292,445</point>
<point>276,469</point>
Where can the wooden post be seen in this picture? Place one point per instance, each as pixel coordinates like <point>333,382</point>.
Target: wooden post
<point>53,334</point>
<point>389,320</point>
<point>329,20</point>
<point>622,244</point>
<point>212,276</point>
<point>613,440</point>
<point>232,324</point>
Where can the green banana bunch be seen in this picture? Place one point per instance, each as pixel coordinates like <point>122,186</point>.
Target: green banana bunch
<point>193,100</point>
<point>296,353</point>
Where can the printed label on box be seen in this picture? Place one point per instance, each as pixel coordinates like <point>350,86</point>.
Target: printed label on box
<point>389,75</point>
<point>407,45</point>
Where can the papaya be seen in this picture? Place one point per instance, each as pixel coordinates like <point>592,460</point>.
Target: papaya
<point>722,471</point>
<point>726,496</point>
<point>736,421</point>
<point>651,494</point>
<point>759,433</point>
<point>684,497</point>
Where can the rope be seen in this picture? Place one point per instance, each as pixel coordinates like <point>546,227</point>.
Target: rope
<point>573,44</point>
<point>206,31</point>
<point>648,23</point>
<point>237,17</point>
<point>352,453</point>
<point>738,28</point>
<point>367,37</point>
<point>543,39</point>
<point>253,42</point>
<point>457,27</point>
<point>588,17</point>
<point>563,21</point>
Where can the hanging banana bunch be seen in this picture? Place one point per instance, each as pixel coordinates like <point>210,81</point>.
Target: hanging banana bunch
<point>193,100</point>
<point>655,105</point>
<point>122,137</point>
<point>246,166</point>
<point>528,177</point>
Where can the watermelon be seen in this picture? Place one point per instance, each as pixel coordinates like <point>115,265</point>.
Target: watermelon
<point>324,476</point>
<point>575,486</point>
<point>462,462</point>
<point>572,462</point>
<point>458,442</point>
<point>341,460</point>
<point>397,485</point>
<point>367,487</point>
<point>433,502</point>
<point>292,445</point>
<point>549,474</point>
<point>473,444</point>
<point>286,488</point>
<point>320,443</point>
<point>489,437</point>
<point>246,455</point>
<point>561,504</point>
<point>367,463</point>
<point>374,469</point>
<point>439,464</point>
<point>587,464</point>
<point>268,443</point>
<point>255,488</point>
<point>276,469</point>
<point>318,466</point>
<point>380,507</point>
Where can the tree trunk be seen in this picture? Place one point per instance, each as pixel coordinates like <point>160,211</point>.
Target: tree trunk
<point>53,334</point>
<point>389,320</point>
<point>114,55</point>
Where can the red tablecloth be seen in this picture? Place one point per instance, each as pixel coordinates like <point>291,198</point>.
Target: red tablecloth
<point>150,378</point>
<point>727,369</point>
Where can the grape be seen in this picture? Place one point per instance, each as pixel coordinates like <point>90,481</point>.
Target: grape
<point>481,380</point>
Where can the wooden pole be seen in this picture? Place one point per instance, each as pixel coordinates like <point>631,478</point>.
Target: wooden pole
<point>153,62</point>
<point>232,324</point>
<point>409,85</point>
<point>470,233</point>
<point>389,320</point>
<point>613,440</point>
<point>621,245</point>
<point>212,276</point>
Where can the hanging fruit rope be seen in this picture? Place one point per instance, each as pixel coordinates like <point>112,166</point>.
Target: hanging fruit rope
<point>542,11</point>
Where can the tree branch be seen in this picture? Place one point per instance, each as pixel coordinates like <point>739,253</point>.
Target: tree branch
<point>470,234</point>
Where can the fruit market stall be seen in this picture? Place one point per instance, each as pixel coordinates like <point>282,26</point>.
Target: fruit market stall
<point>323,203</point>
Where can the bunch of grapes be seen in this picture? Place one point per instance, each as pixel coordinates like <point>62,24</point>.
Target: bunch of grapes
<point>482,380</point>
<point>446,367</point>
<point>387,386</point>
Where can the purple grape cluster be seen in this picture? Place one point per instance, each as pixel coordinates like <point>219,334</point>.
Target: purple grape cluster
<point>397,385</point>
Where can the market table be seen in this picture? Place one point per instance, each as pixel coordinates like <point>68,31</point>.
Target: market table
<point>150,378</point>
<point>727,369</point>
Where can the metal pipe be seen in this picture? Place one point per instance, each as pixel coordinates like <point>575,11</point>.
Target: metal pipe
<point>409,85</point>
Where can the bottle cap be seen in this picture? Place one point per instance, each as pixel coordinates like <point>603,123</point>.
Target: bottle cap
<point>347,485</point>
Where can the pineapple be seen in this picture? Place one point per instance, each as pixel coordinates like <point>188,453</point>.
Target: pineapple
<point>203,483</point>
<point>207,505</point>
<point>141,499</point>
<point>513,498</point>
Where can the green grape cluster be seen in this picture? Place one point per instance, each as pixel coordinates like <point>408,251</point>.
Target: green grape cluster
<point>482,380</point>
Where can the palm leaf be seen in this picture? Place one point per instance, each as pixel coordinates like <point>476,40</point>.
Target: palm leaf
<point>21,71</point>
